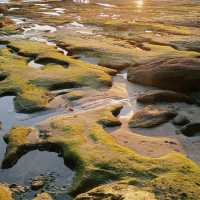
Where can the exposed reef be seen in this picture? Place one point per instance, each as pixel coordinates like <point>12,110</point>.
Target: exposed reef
<point>96,156</point>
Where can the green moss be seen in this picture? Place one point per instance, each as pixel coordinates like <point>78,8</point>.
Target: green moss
<point>43,196</point>
<point>98,158</point>
<point>75,95</point>
<point>7,26</point>
<point>5,193</point>
<point>93,137</point>
<point>32,86</point>
<point>126,51</point>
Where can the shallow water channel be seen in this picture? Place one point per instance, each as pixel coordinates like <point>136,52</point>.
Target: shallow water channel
<point>35,163</point>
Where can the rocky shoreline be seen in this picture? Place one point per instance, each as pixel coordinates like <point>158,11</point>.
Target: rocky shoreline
<point>110,88</point>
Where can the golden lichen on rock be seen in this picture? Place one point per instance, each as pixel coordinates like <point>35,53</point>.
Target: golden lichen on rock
<point>97,158</point>
<point>7,26</point>
<point>43,196</point>
<point>5,192</point>
<point>32,86</point>
<point>118,190</point>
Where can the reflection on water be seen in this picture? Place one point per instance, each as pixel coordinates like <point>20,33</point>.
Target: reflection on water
<point>139,4</point>
<point>81,1</point>
<point>37,163</point>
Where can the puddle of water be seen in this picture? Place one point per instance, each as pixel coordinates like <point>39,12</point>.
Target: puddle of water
<point>4,1</point>
<point>35,65</point>
<point>36,163</point>
<point>63,51</point>
<point>106,5</point>
<point>18,20</point>
<point>81,28</point>
<point>82,1</point>
<point>10,118</point>
<point>2,46</point>
<point>12,9</point>
<point>87,58</point>
<point>51,13</point>
<point>60,10</point>
<point>43,5</point>
<point>35,29</point>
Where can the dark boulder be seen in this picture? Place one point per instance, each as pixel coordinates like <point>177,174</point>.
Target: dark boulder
<point>164,96</point>
<point>181,120</point>
<point>177,74</point>
<point>191,129</point>
<point>150,117</point>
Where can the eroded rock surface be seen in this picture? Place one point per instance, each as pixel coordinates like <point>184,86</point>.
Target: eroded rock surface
<point>164,96</point>
<point>43,196</point>
<point>177,74</point>
<point>32,86</point>
<point>96,156</point>
<point>5,192</point>
<point>117,191</point>
<point>181,120</point>
<point>151,116</point>
<point>191,129</point>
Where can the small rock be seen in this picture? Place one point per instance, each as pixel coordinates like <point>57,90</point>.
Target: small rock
<point>191,129</point>
<point>3,9</point>
<point>38,183</point>
<point>177,74</point>
<point>43,196</point>
<point>170,142</point>
<point>164,96</point>
<point>71,109</point>
<point>151,116</point>
<point>181,120</point>
<point>18,188</point>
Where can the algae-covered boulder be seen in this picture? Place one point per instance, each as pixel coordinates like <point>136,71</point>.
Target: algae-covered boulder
<point>117,191</point>
<point>7,25</point>
<point>97,158</point>
<point>43,196</point>
<point>151,116</point>
<point>104,53</point>
<point>32,86</point>
<point>177,74</point>
<point>5,192</point>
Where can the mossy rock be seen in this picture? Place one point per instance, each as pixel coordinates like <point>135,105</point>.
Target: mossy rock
<point>7,26</point>
<point>5,192</point>
<point>43,196</point>
<point>118,54</point>
<point>151,116</point>
<point>97,158</point>
<point>116,191</point>
<point>32,86</point>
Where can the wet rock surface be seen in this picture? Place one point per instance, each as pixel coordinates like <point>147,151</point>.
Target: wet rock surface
<point>116,191</point>
<point>150,117</point>
<point>178,74</point>
<point>5,192</point>
<point>115,162</point>
<point>43,196</point>
<point>66,66</point>
<point>164,96</point>
<point>38,182</point>
<point>191,129</point>
<point>181,120</point>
